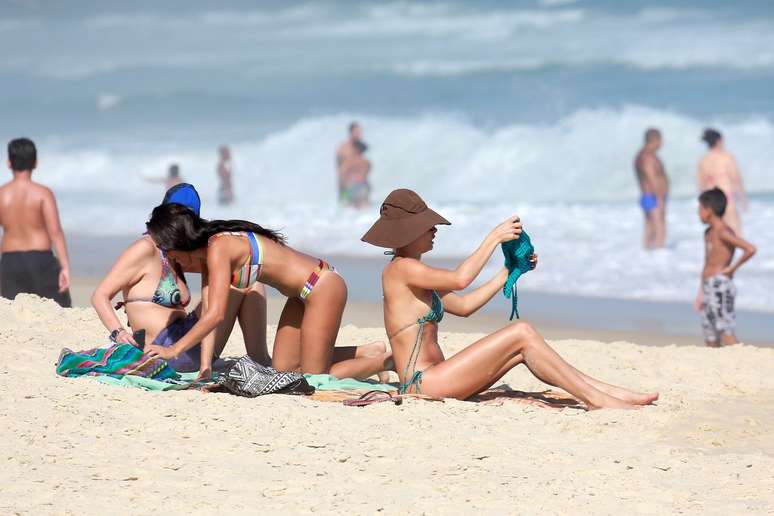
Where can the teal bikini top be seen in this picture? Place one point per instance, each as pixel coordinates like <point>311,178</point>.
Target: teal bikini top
<point>435,314</point>
<point>517,254</point>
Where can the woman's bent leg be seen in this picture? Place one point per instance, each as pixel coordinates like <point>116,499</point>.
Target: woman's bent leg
<point>252,320</point>
<point>320,325</point>
<point>484,362</point>
<point>319,329</point>
<point>371,349</point>
<point>286,355</point>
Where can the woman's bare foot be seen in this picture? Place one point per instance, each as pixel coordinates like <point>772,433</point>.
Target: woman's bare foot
<point>374,349</point>
<point>389,365</point>
<point>635,398</point>
<point>610,402</point>
<point>371,349</point>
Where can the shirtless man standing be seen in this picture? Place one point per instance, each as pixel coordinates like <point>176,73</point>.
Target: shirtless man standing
<point>718,169</point>
<point>654,187</point>
<point>347,152</point>
<point>30,222</point>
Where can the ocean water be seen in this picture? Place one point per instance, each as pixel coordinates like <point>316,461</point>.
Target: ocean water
<point>486,108</point>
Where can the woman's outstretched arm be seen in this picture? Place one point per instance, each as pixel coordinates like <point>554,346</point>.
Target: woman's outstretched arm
<point>467,304</point>
<point>216,280</point>
<point>417,274</point>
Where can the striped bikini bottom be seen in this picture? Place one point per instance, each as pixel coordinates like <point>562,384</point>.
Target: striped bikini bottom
<point>311,281</point>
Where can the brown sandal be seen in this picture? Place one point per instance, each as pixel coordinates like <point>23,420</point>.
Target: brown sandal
<point>372,397</point>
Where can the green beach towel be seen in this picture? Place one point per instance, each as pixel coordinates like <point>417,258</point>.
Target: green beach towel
<point>185,381</point>
<point>322,382</point>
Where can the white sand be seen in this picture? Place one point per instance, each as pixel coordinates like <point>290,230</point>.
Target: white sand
<point>77,446</point>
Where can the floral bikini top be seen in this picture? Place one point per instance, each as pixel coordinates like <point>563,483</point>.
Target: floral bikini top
<point>168,293</point>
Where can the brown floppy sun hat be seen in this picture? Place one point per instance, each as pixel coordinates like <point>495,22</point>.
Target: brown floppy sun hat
<point>403,218</point>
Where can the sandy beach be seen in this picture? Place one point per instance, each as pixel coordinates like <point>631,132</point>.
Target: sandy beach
<point>77,446</point>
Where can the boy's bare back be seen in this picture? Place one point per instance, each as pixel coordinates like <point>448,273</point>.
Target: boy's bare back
<point>719,251</point>
<point>28,214</point>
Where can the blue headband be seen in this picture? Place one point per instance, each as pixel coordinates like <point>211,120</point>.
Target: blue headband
<point>185,194</point>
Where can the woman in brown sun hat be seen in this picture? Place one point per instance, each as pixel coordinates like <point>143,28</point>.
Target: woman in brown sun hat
<point>417,295</point>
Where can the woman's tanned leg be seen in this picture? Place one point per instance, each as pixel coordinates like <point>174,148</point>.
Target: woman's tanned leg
<point>479,365</point>
<point>637,398</point>
<point>319,329</point>
<point>286,354</point>
<point>252,320</point>
<point>320,325</point>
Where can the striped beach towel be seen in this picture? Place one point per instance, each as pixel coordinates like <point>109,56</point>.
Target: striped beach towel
<point>116,361</point>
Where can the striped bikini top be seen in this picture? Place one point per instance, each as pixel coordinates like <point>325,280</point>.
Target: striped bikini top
<point>250,272</point>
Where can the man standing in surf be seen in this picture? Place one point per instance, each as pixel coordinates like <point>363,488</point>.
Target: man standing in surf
<point>30,222</point>
<point>352,169</point>
<point>654,188</point>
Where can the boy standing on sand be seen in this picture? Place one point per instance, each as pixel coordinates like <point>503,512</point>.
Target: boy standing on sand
<point>715,299</point>
<point>30,222</point>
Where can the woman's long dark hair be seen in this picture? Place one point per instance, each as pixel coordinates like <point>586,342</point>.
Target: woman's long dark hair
<point>174,227</point>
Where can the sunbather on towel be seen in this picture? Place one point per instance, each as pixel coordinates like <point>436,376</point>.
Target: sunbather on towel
<point>417,295</point>
<point>238,253</point>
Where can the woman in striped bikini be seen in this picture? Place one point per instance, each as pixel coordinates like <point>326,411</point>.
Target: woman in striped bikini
<point>240,253</point>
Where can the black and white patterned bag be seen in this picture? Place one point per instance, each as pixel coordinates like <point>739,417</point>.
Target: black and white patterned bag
<point>245,377</point>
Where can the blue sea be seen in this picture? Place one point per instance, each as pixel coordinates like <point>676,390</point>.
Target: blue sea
<point>486,108</point>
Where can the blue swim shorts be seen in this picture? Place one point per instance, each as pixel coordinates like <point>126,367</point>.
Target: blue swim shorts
<point>648,202</point>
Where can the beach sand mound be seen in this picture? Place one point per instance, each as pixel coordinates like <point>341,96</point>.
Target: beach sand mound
<point>77,446</point>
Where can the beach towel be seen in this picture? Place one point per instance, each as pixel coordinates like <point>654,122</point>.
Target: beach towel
<point>185,381</point>
<point>118,360</point>
<point>326,382</point>
<point>517,253</point>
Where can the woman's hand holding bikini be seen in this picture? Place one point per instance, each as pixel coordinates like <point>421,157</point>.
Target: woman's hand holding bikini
<point>509,230</point>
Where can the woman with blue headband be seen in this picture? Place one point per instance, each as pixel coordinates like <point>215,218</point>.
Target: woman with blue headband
<point>156,296</point>
<point>416,296</point>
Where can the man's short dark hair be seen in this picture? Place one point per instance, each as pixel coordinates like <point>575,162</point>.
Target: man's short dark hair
<point>715,200</point>
<point>22,154</point>
<point>174,170</point>
<point>352,126</point>
<point>651,134</point>
<point>711,136</point>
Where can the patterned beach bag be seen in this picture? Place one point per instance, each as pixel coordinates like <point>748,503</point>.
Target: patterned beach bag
<point>245,377</point>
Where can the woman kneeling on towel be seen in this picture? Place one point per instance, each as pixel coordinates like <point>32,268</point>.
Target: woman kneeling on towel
<point>416,297</point>
<point>156,296</point>
<point>237,253</point>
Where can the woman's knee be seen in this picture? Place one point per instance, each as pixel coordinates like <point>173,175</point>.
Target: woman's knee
<point>522,334</point>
